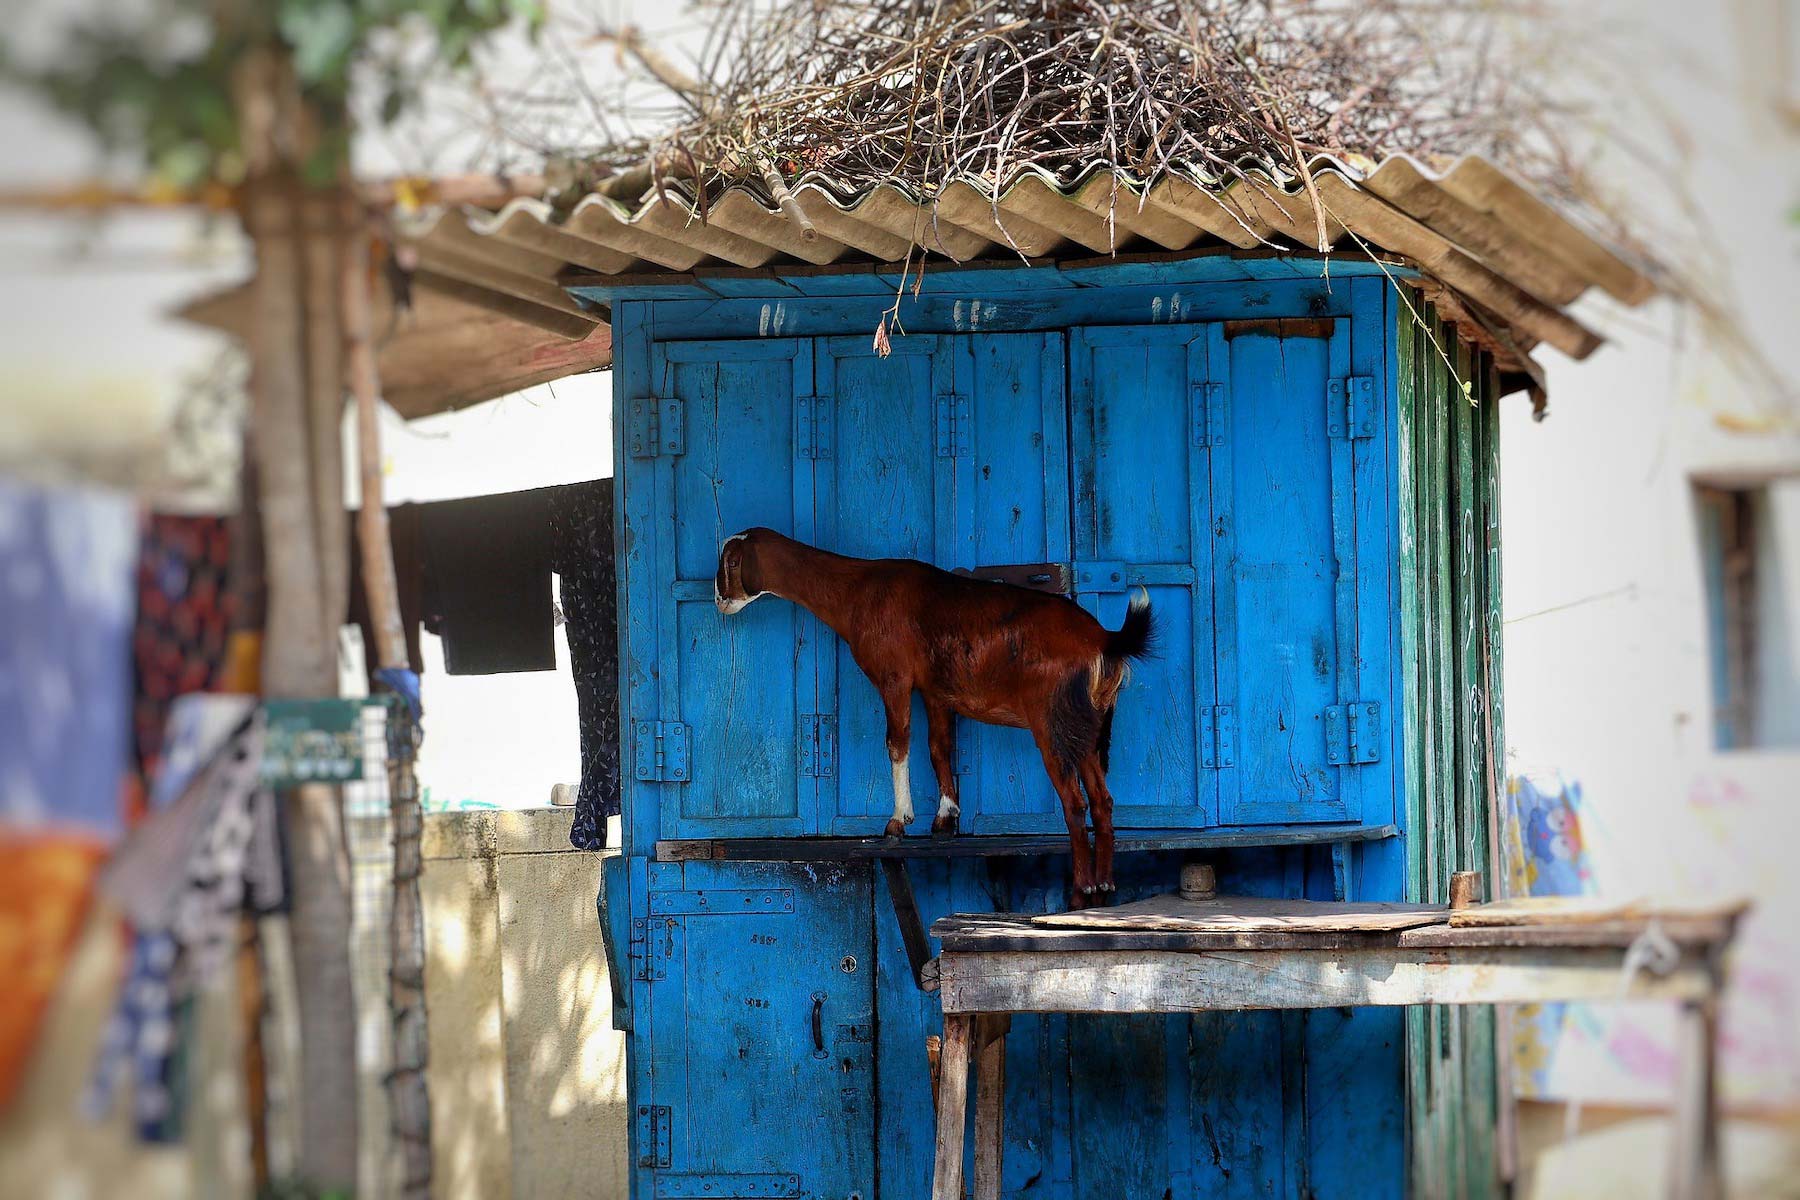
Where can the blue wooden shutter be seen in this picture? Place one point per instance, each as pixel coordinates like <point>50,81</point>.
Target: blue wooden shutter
<point>731,701</point>
<point>1285,505</point>
<point>756,986</point>
<point>1144,411</point>
<point>1011,505</point>
<point>884,492</point>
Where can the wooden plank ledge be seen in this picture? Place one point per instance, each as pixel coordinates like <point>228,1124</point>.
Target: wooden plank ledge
<point>827,849</point>
<point>992,933</point>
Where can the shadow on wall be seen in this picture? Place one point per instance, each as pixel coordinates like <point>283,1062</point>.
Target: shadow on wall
<point>527,1075</point>
<point>48,1148</point>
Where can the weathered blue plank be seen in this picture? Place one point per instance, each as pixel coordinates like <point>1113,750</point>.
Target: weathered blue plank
<point>636,537</point>
<point>1010,506</point>
<point>735,683</point>
<point>1276,576</point>
<point>872,279</point>
<point>880,494</point>
<point>1142,514</point>
<point>1027,309</point>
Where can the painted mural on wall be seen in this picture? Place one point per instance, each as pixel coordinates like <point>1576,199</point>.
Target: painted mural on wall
<point>67,558</point>
<point>1625,1054</point>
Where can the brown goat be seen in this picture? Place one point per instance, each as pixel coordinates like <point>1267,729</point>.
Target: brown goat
<point>988,651</point>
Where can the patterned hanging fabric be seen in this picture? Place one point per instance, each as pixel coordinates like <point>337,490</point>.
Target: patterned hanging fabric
<point>581,523</point>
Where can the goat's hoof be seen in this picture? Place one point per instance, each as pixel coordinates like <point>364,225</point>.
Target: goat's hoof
<point>895,830</point>
<point>1088,890</point>
<point>1109,886</point>
<point>943,827</point>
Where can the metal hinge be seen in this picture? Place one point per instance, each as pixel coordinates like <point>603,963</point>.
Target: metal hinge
<point>812,426</point>
<point>818,745</point>
<point>661,751</point>
<point>952,426</point>
<point>651,942</point>
<point>1350,409</point>
<point>713,1185</point>
<point>1353,733</point>
<point>1218,736</point>
<point>1209,414</point>
<point>654,426</point>
<point>653,1135</point>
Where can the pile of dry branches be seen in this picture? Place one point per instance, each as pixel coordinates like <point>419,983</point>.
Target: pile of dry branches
<point>916,92</point>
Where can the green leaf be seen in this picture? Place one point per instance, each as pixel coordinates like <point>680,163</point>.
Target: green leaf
<point>322,34</point>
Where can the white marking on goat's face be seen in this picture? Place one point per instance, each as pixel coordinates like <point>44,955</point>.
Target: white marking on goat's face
<point>729,595</point>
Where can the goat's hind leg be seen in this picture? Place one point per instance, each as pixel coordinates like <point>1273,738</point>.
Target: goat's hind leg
<point>1100,803</point>
<point>1068,790</point>
<point>898,702</point>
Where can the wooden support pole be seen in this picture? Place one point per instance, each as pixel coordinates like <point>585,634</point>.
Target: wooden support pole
<point>408,1097</point>
<point>299,652</point>
<point>990,1104</point>
<point>953,1106</point>
<point>1694,1162</point>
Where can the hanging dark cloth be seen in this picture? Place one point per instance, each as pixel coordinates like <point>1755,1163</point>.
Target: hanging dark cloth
<point>581,516</point>
<point>487,582</point>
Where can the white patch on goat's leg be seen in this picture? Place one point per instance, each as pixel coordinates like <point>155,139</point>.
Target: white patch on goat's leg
<point>948,807</point>
<point>903,808</point>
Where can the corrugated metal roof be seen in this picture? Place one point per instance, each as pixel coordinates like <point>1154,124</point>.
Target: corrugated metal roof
<point>1513,258</point>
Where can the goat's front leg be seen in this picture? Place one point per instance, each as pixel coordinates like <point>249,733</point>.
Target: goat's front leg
<point>942,724</point>
<point>897,699</point>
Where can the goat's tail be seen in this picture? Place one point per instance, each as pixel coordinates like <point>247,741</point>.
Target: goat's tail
<point>1136,638</point>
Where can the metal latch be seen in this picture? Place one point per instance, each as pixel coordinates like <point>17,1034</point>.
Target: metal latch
<point>716,1185</point>
<point>1040,577</point>
<point>818,745</point>
<point>1100,577</point>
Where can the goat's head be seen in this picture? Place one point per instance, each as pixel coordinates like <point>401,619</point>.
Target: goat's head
<point>739,579</point>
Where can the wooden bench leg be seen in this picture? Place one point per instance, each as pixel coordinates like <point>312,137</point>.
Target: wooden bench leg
<point>953,1105</point>
<point>1694,1167</point>
<point>990,1103</point>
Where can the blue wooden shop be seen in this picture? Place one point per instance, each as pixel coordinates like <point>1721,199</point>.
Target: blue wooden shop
<point>1294,451</point>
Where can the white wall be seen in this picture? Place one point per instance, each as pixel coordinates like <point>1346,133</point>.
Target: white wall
<point>1606,651</point>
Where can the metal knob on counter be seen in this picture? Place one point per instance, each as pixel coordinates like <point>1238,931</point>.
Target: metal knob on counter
<point>1198,882</point>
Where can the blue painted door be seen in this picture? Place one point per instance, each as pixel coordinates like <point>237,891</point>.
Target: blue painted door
<point>1012,509</point>
<point>952,451</point>
<point>741,688</point>
<point>756,991</point>
<point>1142,452</point>
<point>1285,592</point>
<point>882,493</point>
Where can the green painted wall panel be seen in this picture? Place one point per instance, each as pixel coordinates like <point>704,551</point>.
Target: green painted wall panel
<point>1450,600</point>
